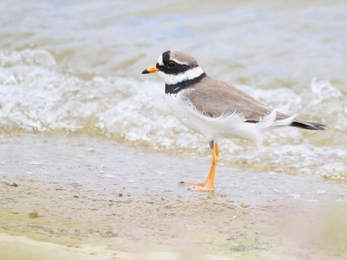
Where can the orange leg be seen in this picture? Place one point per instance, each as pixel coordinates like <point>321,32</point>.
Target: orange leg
<point>208,184</point>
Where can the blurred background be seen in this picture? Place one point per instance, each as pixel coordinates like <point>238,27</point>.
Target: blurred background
<point>75,67</point>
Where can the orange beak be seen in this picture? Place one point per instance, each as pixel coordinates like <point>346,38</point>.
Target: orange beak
<point>151,69</point>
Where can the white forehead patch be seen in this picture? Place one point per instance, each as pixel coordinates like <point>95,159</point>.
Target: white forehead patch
<point>160,60</point>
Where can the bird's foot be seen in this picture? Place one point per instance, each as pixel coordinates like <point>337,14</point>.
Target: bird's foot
<point>196,183</point>
<point>199,186</point>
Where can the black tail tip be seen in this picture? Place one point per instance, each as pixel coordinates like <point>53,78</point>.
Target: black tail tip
<point>309,125</point>
<point>317,126</point>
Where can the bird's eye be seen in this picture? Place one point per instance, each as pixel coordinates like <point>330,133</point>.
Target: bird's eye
<point>170,64</point>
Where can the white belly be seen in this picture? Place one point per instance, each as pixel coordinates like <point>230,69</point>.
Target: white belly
<point>229,126</point>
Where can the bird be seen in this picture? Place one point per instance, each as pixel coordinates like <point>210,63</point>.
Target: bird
<point>216,109</point>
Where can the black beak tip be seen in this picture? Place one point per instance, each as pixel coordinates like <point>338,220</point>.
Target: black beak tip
<point>145,71</point>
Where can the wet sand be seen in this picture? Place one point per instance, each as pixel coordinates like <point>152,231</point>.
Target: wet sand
<point>70,197</point>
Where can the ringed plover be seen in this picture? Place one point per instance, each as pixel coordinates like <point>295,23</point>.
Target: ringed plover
<point>214,108</point>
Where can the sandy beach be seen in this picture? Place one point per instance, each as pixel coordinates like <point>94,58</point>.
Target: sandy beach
<point>69,197</point>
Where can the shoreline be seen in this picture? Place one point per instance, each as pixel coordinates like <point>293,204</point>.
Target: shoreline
<point>82,193</point>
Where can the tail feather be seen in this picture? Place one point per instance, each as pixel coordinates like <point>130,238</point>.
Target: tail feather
<point>308,125</point>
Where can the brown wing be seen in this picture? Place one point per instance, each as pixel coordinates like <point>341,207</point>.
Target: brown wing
<point>215,98</point>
